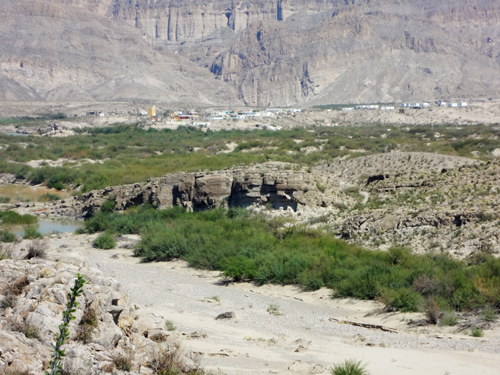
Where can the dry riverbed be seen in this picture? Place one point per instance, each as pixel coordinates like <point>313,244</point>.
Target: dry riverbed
<point>279,329</point>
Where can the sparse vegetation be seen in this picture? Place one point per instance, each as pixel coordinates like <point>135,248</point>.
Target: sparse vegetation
<point>349,367</point>
<point>449,318</point>
<point>122,362</point>
<point>170,325</point>
<point>490,314</point>
<point>87,324</point>
<point>31,332</point>
<point>37,249</point>
<point>476,332</point>
<point>274,310</point>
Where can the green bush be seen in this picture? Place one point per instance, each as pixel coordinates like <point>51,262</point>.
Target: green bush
<point>108,206</point>
<point>476,332</point>
<point>30,233</point>
<point>449,319</point>
<point>4,199</point>
<point>8,237</point>
<point>104,241</point>
<point>349,367</point>
<point>490,314</point>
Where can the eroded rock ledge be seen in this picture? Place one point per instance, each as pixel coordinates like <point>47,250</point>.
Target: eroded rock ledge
<point>274,184</point>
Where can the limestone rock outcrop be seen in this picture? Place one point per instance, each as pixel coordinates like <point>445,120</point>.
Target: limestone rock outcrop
<point>33,294</point>
<point>268,184</point>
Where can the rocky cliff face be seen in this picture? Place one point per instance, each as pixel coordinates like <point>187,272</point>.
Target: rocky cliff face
<point>252,52</point>
<point>262,185</point>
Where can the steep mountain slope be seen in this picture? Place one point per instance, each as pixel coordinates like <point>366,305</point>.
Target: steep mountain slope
<point>283,52</point>
<point>55,51</point>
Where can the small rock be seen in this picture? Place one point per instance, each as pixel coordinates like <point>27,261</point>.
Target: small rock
<point>226,315</point>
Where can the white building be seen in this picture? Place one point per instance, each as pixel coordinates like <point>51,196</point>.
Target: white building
<point>462,104</point>
<point>347,109</point>
<point>453,105</point>
<point>387,108</point>
<point>293,110</point>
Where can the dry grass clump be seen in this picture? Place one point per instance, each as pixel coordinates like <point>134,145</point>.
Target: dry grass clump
<point>175,360</point>
<point>31,332</point>
<point>7,251</point>
<point>37,249</point>
<point>86,326</point>
<point>17,287</point>
<point>122,362</point>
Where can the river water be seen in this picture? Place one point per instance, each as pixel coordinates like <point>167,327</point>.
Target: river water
<point>48,226</point>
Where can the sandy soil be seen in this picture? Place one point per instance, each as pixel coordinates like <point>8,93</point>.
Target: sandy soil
<point>301,338</point>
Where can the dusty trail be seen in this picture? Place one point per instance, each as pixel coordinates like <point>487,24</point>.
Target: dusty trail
<point>301,341</point>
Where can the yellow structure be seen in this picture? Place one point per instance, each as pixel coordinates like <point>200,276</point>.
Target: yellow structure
<point>152,111</point>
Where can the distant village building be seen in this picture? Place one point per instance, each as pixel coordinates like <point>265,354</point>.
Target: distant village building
<point>453,105</point>
<point>293,110</point>
<point>348,109</point>
<point>152,111</point>
<point>462,104</point>
<point>274,110</point>
<point>387,108</point>
<point>370,106</point>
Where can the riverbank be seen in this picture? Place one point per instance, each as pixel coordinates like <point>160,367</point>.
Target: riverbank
<point>281,330</point>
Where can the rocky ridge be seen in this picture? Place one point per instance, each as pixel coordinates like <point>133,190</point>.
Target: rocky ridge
<point>275,185</point>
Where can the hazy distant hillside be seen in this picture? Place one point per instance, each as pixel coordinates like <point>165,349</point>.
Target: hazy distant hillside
<point>254,52</point>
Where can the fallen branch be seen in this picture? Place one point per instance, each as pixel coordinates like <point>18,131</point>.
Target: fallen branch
<point>363,325</point>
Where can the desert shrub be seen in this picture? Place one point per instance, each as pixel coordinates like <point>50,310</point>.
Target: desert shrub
<point>48,197</point>
<point>8,301</point>
<point>87,324</point>
<point>30,233</point>
<point>449,318</point>
<point>13,218</point>
<point>170,325</point>
<point>8,237</point>
<point>122,362</point>
<point>431,311</point>
<point>104,241</point>
<point>403,299</point>
<point>4,199</point>
<point>320,187</point>
<point>108,206</point>
<point>489,314</point>
<point>476,332</point>
<point>170,360</point>
<point>17,287</point>
<point>37,249</point>
<point>349,367</point>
